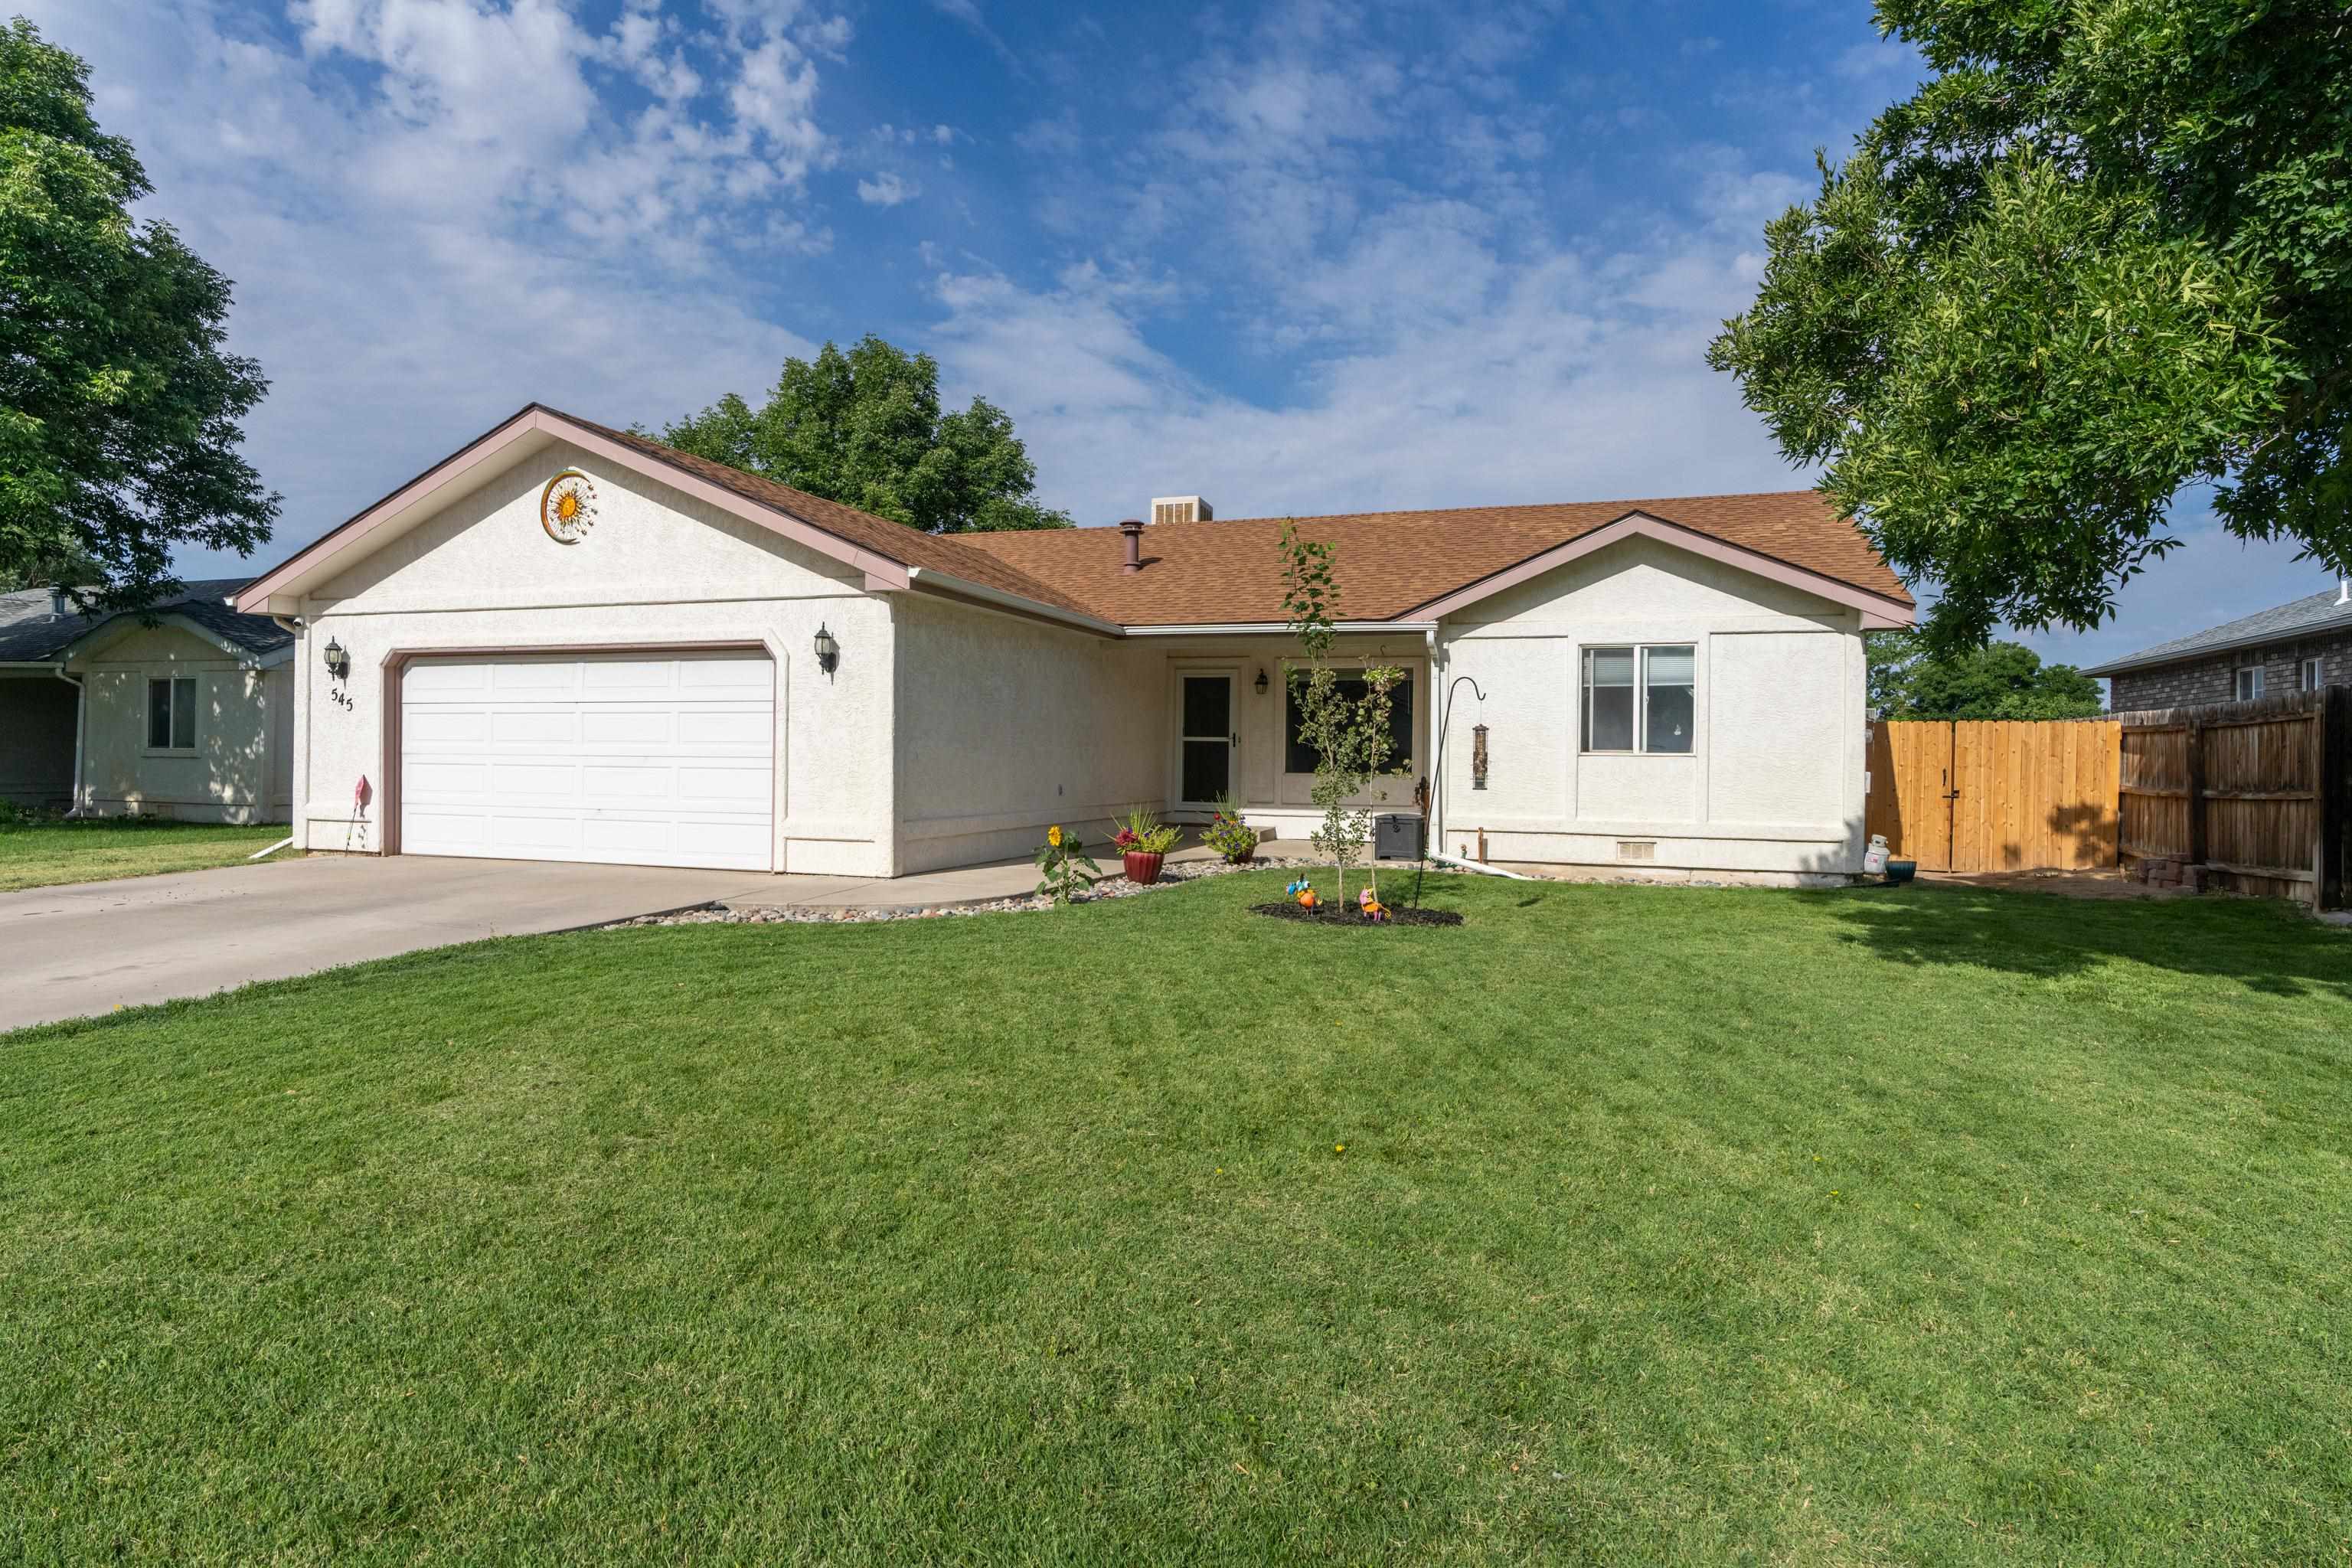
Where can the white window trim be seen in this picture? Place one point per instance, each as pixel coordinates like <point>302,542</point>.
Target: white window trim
<point>2312,673</point>
<point>2246,686</point>
<point>196,716</point>
<point>1290,788</point>
<point>1640,651</point>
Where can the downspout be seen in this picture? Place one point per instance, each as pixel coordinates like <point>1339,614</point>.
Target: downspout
<point>1437,745</point>
<point>81,709</point>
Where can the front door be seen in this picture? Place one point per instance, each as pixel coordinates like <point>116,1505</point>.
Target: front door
<point>1205,761</point>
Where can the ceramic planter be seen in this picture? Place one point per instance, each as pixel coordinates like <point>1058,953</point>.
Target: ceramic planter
<point>1142,869</point>
<point>1901,871</point>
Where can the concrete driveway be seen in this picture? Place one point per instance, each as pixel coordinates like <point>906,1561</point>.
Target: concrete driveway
<point>87,948</point>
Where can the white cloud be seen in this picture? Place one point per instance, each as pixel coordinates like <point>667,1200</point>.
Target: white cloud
<point>1571,379</point>
<point>435,211</point>
<point>886,190</point>
<point>1375,219</point>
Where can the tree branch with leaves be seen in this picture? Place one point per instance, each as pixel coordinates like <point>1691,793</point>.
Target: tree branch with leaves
<point>1349,734</point>
<point>865,426</point>
<point>118,409</point>
<point>2102,255</point>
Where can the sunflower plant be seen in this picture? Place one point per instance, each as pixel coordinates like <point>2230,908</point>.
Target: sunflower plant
<point>1067,870</point>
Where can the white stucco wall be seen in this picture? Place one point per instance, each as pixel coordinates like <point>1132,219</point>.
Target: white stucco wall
<point>1773,785</point>
<point>232,774</point>
<point>1007,726</point>
<point>658,567</point>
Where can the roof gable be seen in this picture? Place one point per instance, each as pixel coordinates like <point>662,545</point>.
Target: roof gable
<point>201,604</point>
<point>884,551</point>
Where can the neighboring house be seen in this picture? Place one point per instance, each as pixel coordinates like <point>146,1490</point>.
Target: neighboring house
<point>568,642</point>
<point>2300,646</point>
<point>182,712</point>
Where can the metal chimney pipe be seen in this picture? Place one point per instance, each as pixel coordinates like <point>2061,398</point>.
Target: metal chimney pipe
<point>1131,531</point>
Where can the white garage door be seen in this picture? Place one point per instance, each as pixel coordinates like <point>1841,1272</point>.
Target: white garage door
<point>643,760</point>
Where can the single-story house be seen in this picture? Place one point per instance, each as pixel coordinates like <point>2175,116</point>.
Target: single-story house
<point>2298,647</point>
<point>183,711</point>
<point>570,642</point>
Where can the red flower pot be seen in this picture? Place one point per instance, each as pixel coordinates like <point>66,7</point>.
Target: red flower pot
<point>1142,869</point>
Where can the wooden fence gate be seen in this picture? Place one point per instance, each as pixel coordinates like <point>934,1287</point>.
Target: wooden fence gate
<point>1980,795</point>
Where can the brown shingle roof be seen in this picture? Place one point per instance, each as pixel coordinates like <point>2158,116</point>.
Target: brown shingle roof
<point>1392,563</point>
<point>1223,572</point>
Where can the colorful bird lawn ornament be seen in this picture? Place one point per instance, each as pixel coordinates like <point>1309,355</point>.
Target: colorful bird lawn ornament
<point>1306,898</point>
<point>1295,888</point>
<point>1372,907</point>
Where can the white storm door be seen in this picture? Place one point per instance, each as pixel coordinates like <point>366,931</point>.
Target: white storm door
<point>623,760</point>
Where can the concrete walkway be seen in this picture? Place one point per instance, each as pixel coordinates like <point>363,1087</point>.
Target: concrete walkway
<point>946,890</point>
<point>87,948</point>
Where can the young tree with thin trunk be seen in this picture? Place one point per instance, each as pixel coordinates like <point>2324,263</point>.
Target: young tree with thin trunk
<point>1347,734</point>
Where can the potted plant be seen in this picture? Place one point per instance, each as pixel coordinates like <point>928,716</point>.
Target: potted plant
<point>1228,834</point>
<point>1143,842</point>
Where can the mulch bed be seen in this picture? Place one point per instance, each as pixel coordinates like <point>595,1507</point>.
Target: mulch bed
<point>1350,915</point>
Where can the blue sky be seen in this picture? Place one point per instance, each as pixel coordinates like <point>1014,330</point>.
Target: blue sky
<point>1295,257</point>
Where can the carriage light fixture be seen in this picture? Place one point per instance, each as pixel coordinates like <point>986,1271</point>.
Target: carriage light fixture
<point>1261,683</point>
<point>828,651</point>
<point>339,659</point>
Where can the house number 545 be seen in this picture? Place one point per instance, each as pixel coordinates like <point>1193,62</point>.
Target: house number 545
<point>342,698</point>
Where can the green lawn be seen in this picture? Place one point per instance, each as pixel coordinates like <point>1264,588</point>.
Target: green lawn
<point>1888,1225</point>
<point>38,852</point>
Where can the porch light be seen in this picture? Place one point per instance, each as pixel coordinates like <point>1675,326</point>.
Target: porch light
<point>1477,756</point>
<point>1261,683</point>
<point>339,659</point>
<point>828,651</point>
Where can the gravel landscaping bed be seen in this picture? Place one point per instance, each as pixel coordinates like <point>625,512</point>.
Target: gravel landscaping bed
<point>1114,886</point>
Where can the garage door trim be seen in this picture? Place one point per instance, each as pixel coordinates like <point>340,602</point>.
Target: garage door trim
<point>396,669</point>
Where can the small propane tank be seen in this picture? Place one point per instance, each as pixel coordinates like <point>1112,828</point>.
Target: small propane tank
<point>1873,860</point>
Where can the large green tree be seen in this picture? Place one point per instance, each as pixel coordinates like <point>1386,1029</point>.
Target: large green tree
<point>1911,679</point>
<point>865,428</point>
<point>2103,253</point>
<point>118,410</point>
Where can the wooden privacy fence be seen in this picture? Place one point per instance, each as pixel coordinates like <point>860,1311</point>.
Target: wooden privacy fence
<point>2253,793</point>
<point>1981,795</point>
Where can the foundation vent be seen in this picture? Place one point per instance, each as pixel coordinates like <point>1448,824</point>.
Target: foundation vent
<point>1637,849</point>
